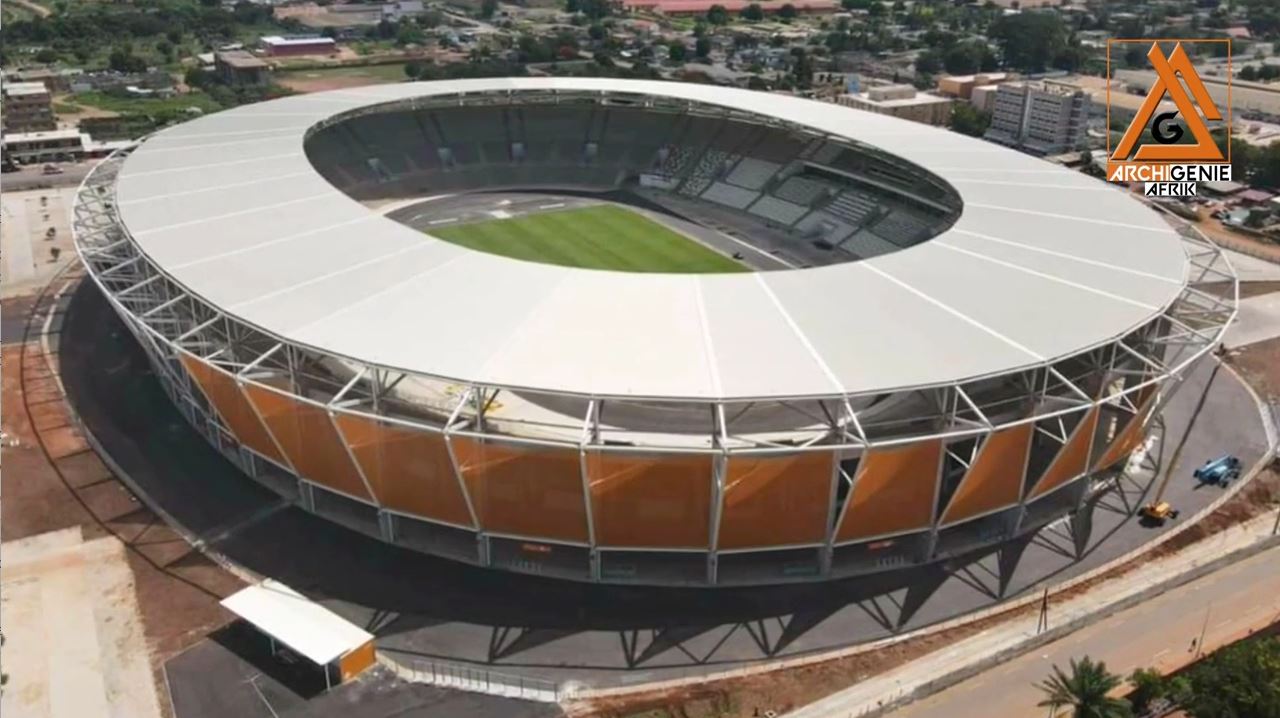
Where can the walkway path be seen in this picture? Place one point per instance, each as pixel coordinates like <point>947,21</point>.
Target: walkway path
<point>1166,621</point>
<point>1159,632</point>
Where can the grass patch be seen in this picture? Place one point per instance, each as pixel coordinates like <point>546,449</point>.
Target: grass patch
<point>146,105</point>
<point>600,237</point>
<point>392,72</point>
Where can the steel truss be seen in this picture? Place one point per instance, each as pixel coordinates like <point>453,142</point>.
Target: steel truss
<point>170,322</point>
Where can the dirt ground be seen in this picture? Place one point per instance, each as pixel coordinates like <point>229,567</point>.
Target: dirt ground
<point>1259,364</point>
<point>83,112</point>
<point>1232,239</point>
<point>52,480</point>
<point>72,621</point>
<point>323,80</point>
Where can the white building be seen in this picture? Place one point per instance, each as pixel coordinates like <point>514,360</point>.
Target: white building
<point>1041,118</point>
<point>901,101</point>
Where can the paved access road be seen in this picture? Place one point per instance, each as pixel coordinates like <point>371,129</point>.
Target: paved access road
<point>1225,605</point>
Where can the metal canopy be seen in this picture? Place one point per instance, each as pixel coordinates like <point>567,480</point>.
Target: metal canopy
<point>309,629</point>
<point>1042,264</point>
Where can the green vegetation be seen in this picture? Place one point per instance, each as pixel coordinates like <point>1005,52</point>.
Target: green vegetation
<point>601,237</point>
<point>969,120</point>
<point>370,74</point>
<point>131,35</point>
<point>1084,688</point>
<point>1238,681</point>
<point>148,105</point>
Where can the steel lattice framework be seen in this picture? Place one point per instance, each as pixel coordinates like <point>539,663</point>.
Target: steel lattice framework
<point>287,414</point>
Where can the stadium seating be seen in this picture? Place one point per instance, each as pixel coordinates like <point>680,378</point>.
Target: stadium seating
<point>752,173</point>
<point>852,206</point>
<point>778,210</point>
<point>730,196</point>
<point>801,190</point>
<point>813,200</point>
<point>864,245</point>
<point>824,226</point>
<point>901,228</point>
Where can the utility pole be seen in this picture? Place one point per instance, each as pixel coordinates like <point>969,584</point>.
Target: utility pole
<point>1203,629</point>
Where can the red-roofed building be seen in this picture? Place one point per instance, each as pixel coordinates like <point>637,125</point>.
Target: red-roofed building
<point>700,7</point>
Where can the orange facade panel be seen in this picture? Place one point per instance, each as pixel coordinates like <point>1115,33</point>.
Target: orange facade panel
<point>409,471</point>
<point>308,438</point>
<point>356,662</point>
<point>222,392</point>
<point>893,492</point>
<point>1072,458</point>
<point>776,501</point>
<point>650,501</point>
<point>524,491</point>
<point>994,480</point>
<point>1128,438</point>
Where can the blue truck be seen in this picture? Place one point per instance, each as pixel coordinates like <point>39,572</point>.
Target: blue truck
<point>1219,471</point>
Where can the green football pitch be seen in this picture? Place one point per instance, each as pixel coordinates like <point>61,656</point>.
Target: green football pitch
<point>599,237</point>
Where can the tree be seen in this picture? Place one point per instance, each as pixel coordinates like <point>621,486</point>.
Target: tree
<point>409,34</point>
<point>718,15</point>
<point>488,8</point>
<point>928,62</point>
<point>753,12</point>
<point>801,68</point>
<point>1085,689</point>
<point>702,47</point>
<point>677,51</point>
<point>1029,41</point>
<point>593,9</point>
<point>787,12</point>
<point>1240,680</point>
<point>1148,686</point>
<point>122,59</point>
<point>597,32</point>
<point>969,120</point>
<point>967,58</point>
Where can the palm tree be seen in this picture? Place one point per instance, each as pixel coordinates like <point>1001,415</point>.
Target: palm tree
<point>1085,689</point>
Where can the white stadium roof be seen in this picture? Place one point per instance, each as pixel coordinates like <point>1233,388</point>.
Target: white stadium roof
<point>1042,264</point>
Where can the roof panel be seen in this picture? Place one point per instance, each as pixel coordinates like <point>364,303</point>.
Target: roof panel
<point>874,334</point>
<point>230,207</point>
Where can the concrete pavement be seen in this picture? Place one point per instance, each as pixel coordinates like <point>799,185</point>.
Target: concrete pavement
<point>1079,625</point>
<point>1157,633</point>
<point>1258,320</point>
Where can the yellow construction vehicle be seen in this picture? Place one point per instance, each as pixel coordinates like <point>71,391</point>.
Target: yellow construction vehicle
<point>1158,512</point>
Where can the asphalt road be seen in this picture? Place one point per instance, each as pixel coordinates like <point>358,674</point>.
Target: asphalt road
<point>33,177</point>
<point>1225,605</point>
<point>594,634</point>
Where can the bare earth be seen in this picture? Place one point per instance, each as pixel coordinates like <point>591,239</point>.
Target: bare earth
<point>74,637</point>
<point>52,481</point>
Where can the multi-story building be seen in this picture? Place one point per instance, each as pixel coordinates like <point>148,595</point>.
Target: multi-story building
<point>901,101</point>
<point>278,46</point>
<point>962,86</point>
<point>1039,118</point>
<point>28,107</point>
<point>51,146</point>
<point>238,67</point>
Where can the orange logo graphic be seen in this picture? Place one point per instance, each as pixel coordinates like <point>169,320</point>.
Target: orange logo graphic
<point>1163,130</point>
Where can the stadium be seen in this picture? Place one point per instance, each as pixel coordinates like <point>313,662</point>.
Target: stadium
<point>646,332</point>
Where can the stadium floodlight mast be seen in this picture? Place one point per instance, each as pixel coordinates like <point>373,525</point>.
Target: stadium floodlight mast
<point>1139,369</point>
